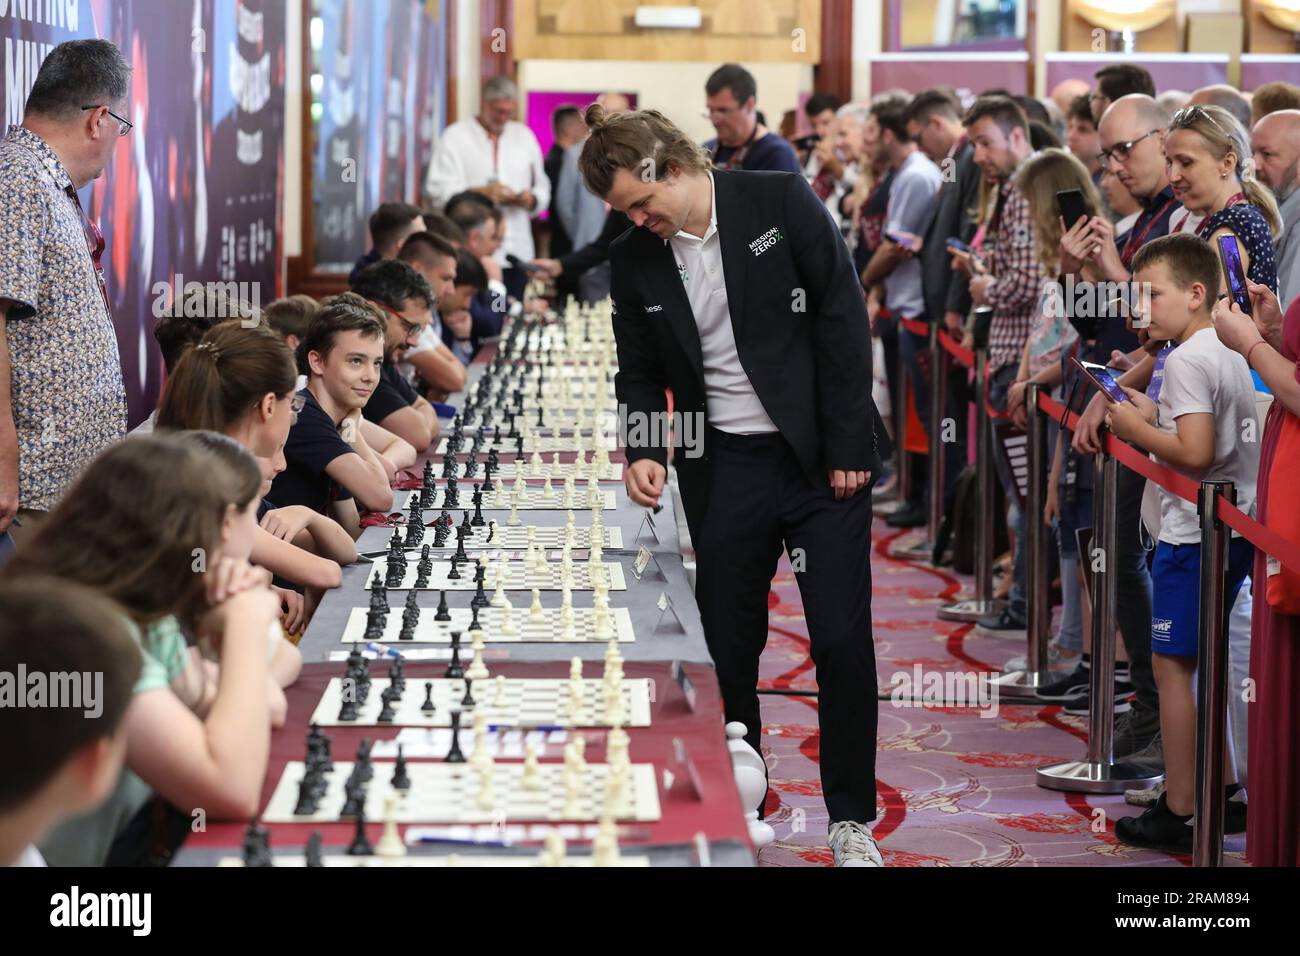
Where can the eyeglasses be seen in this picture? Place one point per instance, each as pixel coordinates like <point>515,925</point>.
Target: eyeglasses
<point>412,328</point>
<point>1120,151</point>
<point>1188,115</point>
<point>123,126</point>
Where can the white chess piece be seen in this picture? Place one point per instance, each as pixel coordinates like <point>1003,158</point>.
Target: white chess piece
<point>617,746</point>
<point>532,774</point>
<point>499,697</point>
<point>390,843</point>
<point>479,755</point>
<point>513,519</point>
<point>554,852</point>
<point>535,613</point>
<point>535,463</point>
<point>519,481</point>
<point>487,796</point>
<point>477,670</point>
<point>601,629</point>
<point>498,496</point>
<point>506,625</point>
<point>499,595</point>
<point>604,845</point>
<point>548,492</point>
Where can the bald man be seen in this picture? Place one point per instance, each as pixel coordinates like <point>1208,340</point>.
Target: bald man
<point>1067,91</point>
<point>614,102</point>
<point>1275,141</point>
<point>1229,97</point>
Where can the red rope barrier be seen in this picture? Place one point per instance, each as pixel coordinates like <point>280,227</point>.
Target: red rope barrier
<point>950,345</point>
<point>915,326</point>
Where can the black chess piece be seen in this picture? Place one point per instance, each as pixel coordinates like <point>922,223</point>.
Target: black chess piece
<point>480,598</point>
<point>311,852</point>
<point>454,667</point>
<point>541,420</point>
<point>492,530</point>
<point>422,572</point>
<point>428,706</point>
<point>453,574</point>
<point>360,845</point>
<point>348,709</point>
<point>468,699</point>
<point>387,713</point>
<point>461,553</point>
<point>451,497</point>
<point>378,592</point>
<point>474,625</point>
<point>257,846</point>
<point>477,520</point>
<point>471,466</point>
<point>455,755</point>
<point>307,793</point>
<point>442,614</point>
<point>410,618</point>
<point>400,779</point>
<point>362,766</point>
<point>396,678</point>
<point>519,451</point>
<point>375,622</point>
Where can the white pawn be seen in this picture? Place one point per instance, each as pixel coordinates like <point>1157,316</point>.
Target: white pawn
<point>513,519</point>
<point>548,493</point>
<point>499,595</point>
<point>390,844</point>
<point>617,744</point>
<point>499,697</point>
<point>479,755</point>
<point>535,463</point>
<point>487,796</point>
<point>535,613</point>
<point>580,464</point>
<point>600,624</point>
<point>477,670</point>
<point>519,481</point>
<point>498,496</point>
<point>532,775</point>
<point>506,625</point>
<point>554,852</point>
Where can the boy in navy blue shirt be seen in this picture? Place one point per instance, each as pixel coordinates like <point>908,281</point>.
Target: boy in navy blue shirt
<point>330,468</point>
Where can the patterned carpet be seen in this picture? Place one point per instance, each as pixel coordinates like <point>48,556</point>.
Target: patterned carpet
<point>955,784</point>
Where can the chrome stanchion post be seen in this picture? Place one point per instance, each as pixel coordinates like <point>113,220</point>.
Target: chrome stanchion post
<point>982,605</point>
<point>1036,674</point>
<point>1212,679</point>
<point>1099,773</point>
<point>922,548</point>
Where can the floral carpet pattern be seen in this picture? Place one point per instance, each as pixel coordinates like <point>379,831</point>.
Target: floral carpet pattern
<point>955,784</point>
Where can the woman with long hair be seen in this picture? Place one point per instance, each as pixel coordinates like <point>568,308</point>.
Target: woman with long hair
<point>240,382</point>
<point>163,525</point>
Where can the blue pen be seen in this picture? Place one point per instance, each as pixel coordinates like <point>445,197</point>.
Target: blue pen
<point>452,841</point>
<point>381,650</point>
<point>547,727</point>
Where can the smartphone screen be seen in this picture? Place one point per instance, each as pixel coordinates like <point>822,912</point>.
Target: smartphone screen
<point>956,245</point>
<point>1070,202</point>
<point>1102,378</point>
<point>905,239</point>
<point>1236,276</point>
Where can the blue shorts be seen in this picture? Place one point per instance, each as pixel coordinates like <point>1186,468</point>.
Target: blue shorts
<point>1176,593</point>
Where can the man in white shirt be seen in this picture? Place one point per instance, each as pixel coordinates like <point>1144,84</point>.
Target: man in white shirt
<point>494,155</point>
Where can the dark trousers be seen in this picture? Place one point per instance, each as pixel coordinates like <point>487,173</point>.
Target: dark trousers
<point>760,500</point>
<point>1133,588</point>
<point>914,355</point>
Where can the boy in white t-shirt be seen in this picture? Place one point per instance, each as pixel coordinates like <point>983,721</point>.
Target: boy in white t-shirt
<point>1202,426</point>
<point>68,663</point>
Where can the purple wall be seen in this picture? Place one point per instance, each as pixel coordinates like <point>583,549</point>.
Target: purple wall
<point>542,103</point>
<point>918,71</point>
<point>1186,71</point>
<point>1260,68</point>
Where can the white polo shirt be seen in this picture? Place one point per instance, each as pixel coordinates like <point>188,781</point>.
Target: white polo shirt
<point>466,157</point>
<point>731,400</point>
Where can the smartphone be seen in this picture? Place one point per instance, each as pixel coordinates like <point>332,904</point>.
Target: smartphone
<point>518,263</point>
<point>956,245</point>
<point>1236,276</point>
<point>907,240</point>
<point>1103,379</point>
<point>1070,202</point>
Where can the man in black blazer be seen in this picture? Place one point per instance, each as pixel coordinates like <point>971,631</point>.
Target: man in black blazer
<point>934,121</point>
<point>738,294</point>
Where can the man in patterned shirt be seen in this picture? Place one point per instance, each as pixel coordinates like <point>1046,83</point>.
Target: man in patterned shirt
<point>62,399</point>
<point>999,131</point>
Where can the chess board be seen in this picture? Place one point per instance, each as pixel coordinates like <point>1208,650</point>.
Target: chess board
<point>533,498</point>
<point>449,793</point>
<point>451,859</point>
<point>545,445</point>
<point>515,538</point>
<point>612,472</point>
<point>516,577</point>
<point>526,630</point>
<point>524,702</point>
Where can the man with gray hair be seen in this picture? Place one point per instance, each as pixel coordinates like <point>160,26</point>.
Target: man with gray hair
<point>1229,97</point>
<point>1275,142</point>
<point>62,398</point>
<point>494,155</point>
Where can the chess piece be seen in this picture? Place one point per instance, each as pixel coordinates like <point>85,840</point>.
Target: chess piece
<point>443,614</point>
<point>257,846</point>
<point>512,520</point>
<point>400,780</point>
<point>454,667</point>
<point>410,617</point>
<point>553,850</point>
<point>477,520</point>
<point>474,625</point>
<point>532,774</point>
<point>308,790</point>
<point>480,756</point>
<point>499,599</point>
<point>468,700</point>
<point>360,845</point>
<point>390,843</point>
<point>428,706</point>
<point>477,669</point>
<point>387,713</point>
<point>604,846</point>
<point>487,797</point>
<point>506,626</point>
<point>454,755</point>
<point>499,698</point>
<point>311,852</point>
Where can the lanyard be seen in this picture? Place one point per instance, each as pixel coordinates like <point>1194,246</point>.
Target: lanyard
<point>1201,230</point>
<point>1135,241</point>
<point>739,155</point>
<point>94,245</point>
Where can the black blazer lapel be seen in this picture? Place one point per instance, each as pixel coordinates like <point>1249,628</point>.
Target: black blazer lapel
<point>677,306</point>
<point>733,229</point>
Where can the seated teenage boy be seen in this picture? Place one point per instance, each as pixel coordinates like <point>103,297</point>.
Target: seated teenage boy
<point>406,301</point>
<point>329,464</point>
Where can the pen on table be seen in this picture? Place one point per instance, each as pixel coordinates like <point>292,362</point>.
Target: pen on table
<point>453,841</point>
<point>381,650</point>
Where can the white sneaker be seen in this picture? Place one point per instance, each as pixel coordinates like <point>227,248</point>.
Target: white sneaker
<point>853,845</point>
